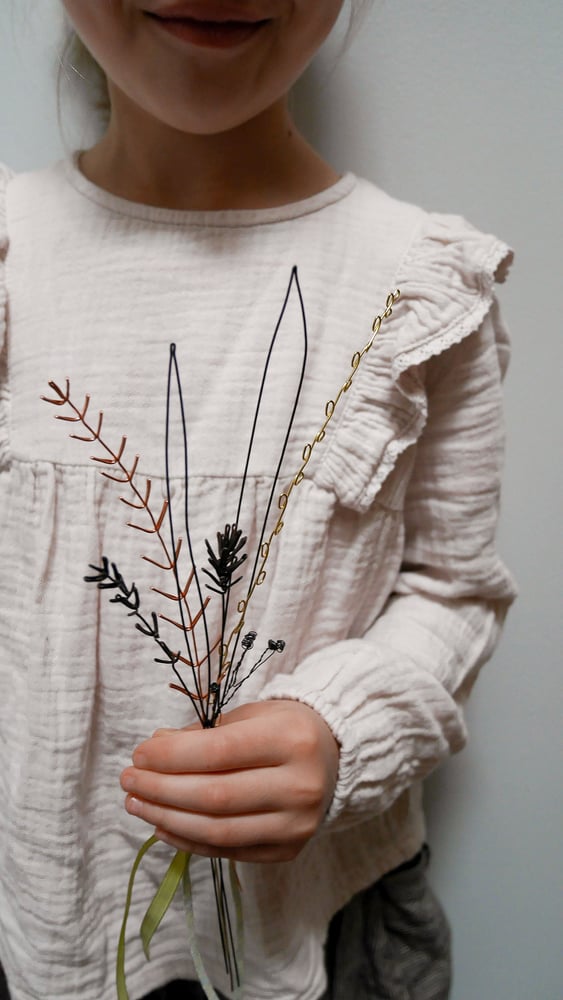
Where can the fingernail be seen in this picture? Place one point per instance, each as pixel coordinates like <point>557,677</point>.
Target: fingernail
<point>139,758</point>
<point>127,781</point>
<point>133,805</point>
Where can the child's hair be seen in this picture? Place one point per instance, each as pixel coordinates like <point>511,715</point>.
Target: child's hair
<point>76,59</point>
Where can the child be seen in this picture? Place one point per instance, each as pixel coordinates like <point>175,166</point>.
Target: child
<point>203,219</point>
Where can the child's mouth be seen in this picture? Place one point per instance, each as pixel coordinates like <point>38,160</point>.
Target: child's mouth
<point>219,34</point>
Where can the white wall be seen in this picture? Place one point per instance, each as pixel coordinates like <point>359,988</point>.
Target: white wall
<point>456,106</point>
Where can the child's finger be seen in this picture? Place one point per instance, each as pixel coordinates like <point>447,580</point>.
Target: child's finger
<point>222,794</point>
<point>224,832</point>
<point>243,744</point>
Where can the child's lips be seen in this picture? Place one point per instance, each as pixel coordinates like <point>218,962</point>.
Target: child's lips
<point>211,10</point>
<point>215,32</point>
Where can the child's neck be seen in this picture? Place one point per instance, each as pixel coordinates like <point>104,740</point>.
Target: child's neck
<point>262,163</point>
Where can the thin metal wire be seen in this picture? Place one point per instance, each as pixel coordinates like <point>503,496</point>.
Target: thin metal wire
<point>307,452</point>
<point>294,280</point>
<point>179,590</point>
<point>174,365</point>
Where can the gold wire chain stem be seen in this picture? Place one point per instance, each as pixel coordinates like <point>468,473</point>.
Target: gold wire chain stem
<point>298,478</point>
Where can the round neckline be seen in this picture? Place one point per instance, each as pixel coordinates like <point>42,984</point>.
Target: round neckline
<point>228,217</point>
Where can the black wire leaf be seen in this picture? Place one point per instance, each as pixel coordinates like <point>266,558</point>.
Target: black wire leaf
<point>101,572</point>
<point>151,630</point>
<point>129,598</point>
<point>107,577</point>
<point>227,561</point>
<point>171,658</point>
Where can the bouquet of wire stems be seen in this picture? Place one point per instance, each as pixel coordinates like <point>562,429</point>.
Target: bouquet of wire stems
<point>209,668</point>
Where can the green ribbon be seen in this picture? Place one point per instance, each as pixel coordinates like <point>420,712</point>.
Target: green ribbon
<point>163,897</point>
<point>178,871</point>
<point>122,993</point>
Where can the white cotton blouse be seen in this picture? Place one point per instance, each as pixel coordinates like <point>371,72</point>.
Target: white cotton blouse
<point>384,582</point>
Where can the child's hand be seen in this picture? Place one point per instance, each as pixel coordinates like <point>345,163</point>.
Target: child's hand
<point>256,788</point>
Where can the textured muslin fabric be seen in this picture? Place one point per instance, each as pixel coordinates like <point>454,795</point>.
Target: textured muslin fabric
<point>390,942</point>
<point>385,582</point>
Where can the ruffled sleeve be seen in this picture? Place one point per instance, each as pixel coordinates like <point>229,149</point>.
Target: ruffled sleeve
<point>5,175</point>
<point>446,279</point>
<point>447,288</point>
<point>394,696</point>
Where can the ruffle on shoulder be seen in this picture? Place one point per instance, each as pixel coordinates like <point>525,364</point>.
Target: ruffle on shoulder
<point>447,285</point>
<point>5,175</point>
<point>446,280</point>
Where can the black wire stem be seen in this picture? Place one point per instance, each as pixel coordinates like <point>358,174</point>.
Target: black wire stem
<point>294,280</point>
<point>173,365</point>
